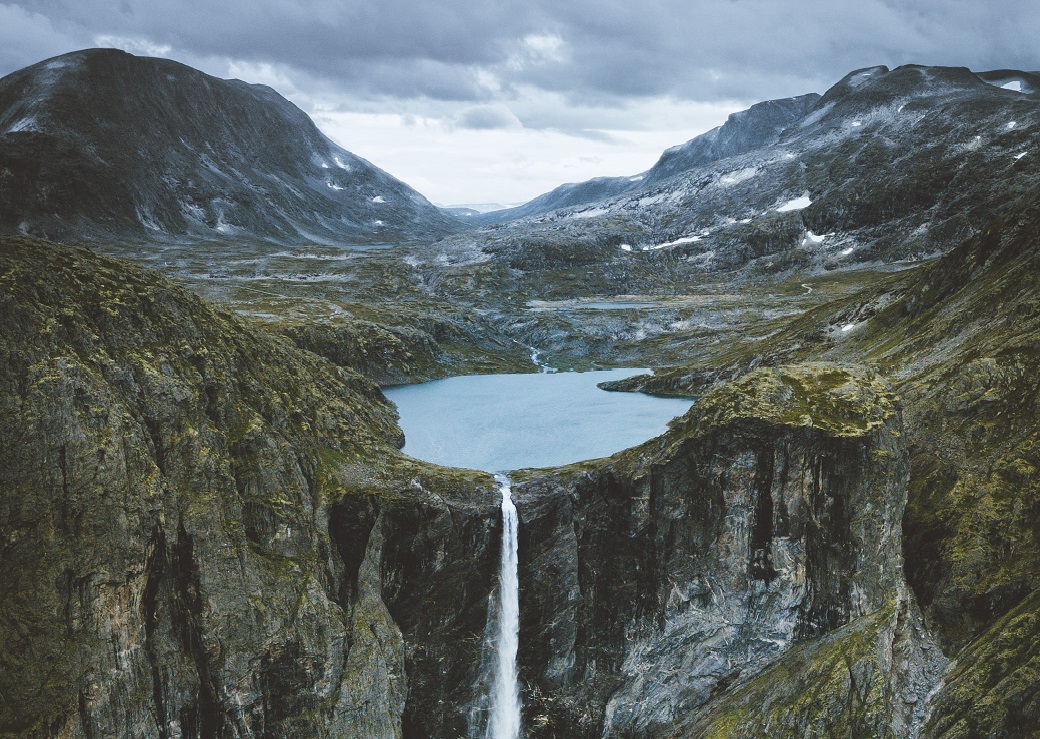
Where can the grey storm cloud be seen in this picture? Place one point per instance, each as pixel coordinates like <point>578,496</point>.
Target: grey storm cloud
<point>590,51</point>
<point>486,117</point>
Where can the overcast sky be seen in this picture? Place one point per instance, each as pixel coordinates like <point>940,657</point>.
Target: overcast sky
<point>474,101</point>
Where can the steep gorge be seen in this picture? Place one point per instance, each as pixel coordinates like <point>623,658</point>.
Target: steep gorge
<point>208,532</point>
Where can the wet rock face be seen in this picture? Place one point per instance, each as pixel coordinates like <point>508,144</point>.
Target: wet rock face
<point>652,582</point>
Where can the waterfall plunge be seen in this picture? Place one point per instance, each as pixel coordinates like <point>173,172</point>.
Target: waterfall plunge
<point>505,692</point>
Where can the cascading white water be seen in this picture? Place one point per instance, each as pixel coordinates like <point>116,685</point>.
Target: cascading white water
<point>545,369</point>
<point>505,691</point>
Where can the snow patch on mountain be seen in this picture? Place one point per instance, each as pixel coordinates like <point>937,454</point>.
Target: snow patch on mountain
<point>797,204</point>
<point>862,77</point>
<point>591,213</point>
<point>653,199</point>
<point>676,242</point>
<point>735,178</point>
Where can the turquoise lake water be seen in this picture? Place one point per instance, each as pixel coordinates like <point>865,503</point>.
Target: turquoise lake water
<point>505,422</point>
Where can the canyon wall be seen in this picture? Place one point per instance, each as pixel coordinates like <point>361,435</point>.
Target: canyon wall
<point>209,533</point>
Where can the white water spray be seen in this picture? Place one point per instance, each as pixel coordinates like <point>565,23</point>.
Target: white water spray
<point>505,692</point>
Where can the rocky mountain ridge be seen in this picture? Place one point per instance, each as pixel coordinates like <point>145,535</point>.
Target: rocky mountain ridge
<point>758,126</point>
<point>106,145</point>
<point>889,166</point>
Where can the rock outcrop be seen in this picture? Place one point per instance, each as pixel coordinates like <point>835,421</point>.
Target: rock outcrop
<point>676,572</point>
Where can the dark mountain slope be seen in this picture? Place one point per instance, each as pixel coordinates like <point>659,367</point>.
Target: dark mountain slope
<point>759,125</point>
<point>103,143</point>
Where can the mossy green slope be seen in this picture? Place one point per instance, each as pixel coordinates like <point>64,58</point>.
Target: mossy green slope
<point>828,687</point>
<point>992,688</point>
<point>840,401</point>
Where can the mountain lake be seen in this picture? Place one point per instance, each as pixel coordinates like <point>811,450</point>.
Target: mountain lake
<point>506,422</point>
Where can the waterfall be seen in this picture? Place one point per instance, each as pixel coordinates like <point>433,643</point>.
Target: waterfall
<point>505,691</point>
<point>545,369</point>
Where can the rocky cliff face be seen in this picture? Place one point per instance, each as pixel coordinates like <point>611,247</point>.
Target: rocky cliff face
<point>678,571</point>
<point>205,532</point>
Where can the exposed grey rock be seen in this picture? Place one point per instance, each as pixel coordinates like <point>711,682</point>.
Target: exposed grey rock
<point>770,516</point>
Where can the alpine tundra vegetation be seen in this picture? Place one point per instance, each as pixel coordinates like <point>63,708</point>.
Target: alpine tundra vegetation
<point>208,527</point>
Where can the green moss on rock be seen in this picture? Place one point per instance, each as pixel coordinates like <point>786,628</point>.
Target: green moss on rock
<point>832,686</point>
<point>840,401</point>
<point>993,688</point>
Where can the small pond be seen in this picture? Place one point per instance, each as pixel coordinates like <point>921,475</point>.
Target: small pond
<point>505,422</point>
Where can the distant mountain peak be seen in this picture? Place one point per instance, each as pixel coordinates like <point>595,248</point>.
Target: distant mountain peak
<point>758,126</point>
<point>101,143</point>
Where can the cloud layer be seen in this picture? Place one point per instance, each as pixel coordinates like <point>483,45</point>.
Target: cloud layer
<point>577,67</point>
<point>466,51</point>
